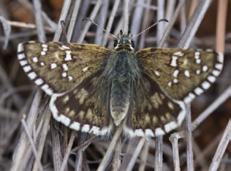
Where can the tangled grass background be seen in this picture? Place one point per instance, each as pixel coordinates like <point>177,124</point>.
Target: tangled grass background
<point>31,140</point>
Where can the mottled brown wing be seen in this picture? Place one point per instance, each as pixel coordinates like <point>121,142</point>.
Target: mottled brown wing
<point>153,113</point>
<point>180,73</point>
<point>84,108</point>
<point>58,68</point>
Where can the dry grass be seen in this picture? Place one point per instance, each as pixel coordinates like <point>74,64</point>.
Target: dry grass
<point>31,140</point>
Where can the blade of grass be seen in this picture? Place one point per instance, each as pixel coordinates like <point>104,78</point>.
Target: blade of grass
<point>221,25</point>
<point>88,24</point>
<point>193,25</point>
<point>221,148</point>
<point>159,153</point>
<point>39,20</point>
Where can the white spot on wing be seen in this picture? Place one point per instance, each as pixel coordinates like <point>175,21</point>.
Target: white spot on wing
<point>43,53</point>
<point>205,68</point>
<point>65,120</point>
<point>68,56</point>
<point>219,66</point>
<point>198,91</point>
<point>198,61</point>
<point>149,133</point>
<point>85,69</point>
<point>157,73</point>
<point>27,68</point>
<point>205,85</point>
<point>65,67</point>
<point>94,130</point>
<point>21,56</point>
<point>49,92</point>
<point>191,95</point>
<point>189,98</point>
<point>53,65</point>
<point>159,131</point>
<point>64,74</point>
<point>42,63</point>
<point>32,75</point>
<point>197,55</point>
<point>187,73</point>
<point>175,80</point>
<point>139,132</point>
<point>220,57</point>
<point>46,88</point>
<point>198,71</point>
<point>211,78</point>
<point>20,48</point>
<point>216,72</point>
<point>175,73</point>
<point>39,81</point>
<point>35,59</point>
<point>75,126</point>
<point>45,46</point>
<point>23,62</point>
<point>85,128</point>
<point>70,78</point>
<point>174,61</point>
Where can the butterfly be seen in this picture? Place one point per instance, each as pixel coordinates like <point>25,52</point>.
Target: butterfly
<point>94,89</point>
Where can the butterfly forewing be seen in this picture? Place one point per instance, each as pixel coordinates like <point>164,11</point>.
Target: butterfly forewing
<point>180,73</point>
<point>58,68</point>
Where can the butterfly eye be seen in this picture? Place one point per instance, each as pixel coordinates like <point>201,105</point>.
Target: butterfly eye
<point>132,43</point>
<point>115,43</point>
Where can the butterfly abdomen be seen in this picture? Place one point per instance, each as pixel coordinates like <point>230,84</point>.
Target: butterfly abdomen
<point>119,100</point>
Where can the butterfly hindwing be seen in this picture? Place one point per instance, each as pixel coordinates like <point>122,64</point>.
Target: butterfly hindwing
<point>153,112</point>
<point>182,74</point>
<point>80,108</point>
<point>56,67</point>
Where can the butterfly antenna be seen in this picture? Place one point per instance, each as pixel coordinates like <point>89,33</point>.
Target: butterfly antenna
<point>104,30</point>
<point>161,20</point>
<point>64,28</point>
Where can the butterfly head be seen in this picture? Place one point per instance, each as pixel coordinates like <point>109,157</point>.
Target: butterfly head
<point>124,41</point>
